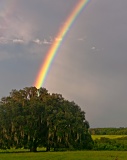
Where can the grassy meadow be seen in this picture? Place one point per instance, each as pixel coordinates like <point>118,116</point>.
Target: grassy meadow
<point>107,136</point>
<point>72,155</point>
<point>21,154</point>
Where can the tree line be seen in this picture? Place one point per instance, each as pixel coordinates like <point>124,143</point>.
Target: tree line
<point>31,118</point>
<point>108,131</point>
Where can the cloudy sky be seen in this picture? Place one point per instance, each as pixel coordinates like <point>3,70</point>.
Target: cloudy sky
<point>91,64</point>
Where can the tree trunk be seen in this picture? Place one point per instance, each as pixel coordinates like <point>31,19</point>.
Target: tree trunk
<point>47,148</point>
<point>33,149</point>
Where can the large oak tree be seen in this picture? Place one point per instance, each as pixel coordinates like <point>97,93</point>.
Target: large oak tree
<point>32,118</point>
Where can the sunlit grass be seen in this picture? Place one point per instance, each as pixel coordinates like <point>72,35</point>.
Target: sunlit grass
<point>107,136</point>
<point>72,155</point>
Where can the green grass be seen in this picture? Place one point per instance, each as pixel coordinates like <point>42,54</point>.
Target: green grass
<point>107,136</point>
<point>72,155</point>
<point>21,154</point>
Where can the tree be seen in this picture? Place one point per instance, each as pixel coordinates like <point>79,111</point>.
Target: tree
<point>32,117</point>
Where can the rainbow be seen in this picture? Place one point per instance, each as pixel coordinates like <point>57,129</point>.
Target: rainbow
<point>56,44</point>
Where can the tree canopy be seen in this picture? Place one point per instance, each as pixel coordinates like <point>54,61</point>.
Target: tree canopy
<point>32,118</point>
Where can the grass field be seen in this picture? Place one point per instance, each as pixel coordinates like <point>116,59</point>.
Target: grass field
<point>73,155</point>
<point>107,136</point>
<point>21,154</point>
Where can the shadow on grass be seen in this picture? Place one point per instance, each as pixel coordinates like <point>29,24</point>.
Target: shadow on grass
<point>19,151</point>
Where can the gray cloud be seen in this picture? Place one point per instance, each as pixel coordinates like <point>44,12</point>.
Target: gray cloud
<point>90,66</point>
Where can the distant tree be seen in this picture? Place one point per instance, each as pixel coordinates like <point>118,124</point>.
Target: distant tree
<point>108,131</point>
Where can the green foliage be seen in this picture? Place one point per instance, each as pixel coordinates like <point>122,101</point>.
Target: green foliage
<point>119,144</point>
<point>32,117</point>
<point>109,138</point>
<point>108,131</point>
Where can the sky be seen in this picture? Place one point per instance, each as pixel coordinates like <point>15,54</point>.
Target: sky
<point>90,67</point>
